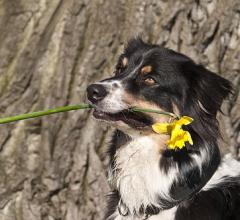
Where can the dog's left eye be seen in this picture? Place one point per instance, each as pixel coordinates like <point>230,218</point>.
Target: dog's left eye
<point>119,68</point>
<point>117,71</point>
<point>149,81</point>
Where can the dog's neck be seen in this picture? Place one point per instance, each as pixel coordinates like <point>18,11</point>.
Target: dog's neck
<point>148,176</point>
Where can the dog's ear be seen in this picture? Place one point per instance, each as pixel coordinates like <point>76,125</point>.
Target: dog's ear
<point>206,89</point>
<point>134,45</point>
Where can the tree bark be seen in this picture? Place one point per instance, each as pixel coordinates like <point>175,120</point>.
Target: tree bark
<point>54,167</point>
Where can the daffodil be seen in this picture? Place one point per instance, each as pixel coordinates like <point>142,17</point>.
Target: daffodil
<point>178,136</point>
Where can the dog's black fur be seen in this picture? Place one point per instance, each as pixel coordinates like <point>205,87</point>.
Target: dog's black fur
<point>195,92</point>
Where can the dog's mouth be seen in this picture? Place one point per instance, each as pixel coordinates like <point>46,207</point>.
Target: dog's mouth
<point>135,120</point>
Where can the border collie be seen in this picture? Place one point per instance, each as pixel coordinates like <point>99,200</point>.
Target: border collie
<point>148,180</point>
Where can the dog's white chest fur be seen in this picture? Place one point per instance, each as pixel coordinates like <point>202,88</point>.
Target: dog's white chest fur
<point>137,175</point>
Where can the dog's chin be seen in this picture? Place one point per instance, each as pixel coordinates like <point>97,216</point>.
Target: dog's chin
<point>135,120</point>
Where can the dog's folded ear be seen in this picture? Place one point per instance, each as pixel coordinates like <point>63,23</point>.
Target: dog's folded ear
<point>135,44</point>
<point>206,88</point>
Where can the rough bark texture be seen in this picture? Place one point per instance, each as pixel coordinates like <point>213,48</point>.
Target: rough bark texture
<point>50,50</point>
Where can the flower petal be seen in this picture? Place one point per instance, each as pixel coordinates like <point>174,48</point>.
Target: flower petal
<point>178,139</point>
<point>185,120</point>
<point>189,138</point>
<point>161,128</point>
<point>176,144</point>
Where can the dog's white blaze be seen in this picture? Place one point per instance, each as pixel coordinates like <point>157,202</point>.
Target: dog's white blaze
<point>137,174</point>
<point>113,102</point>
<point>168,214</point>
<point>135,69</point>
<point>229,167</point>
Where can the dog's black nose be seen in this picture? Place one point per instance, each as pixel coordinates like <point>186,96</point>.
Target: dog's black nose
<point>96,92</point>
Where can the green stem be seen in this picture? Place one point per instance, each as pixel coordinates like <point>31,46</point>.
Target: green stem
<point>70,108</point>
<point>137,109</point>
<point>42,113</point>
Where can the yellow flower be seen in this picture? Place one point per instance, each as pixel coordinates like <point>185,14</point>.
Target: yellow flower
<point>178,137</point>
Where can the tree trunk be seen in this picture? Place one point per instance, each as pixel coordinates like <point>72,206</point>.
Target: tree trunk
<point>50,50</point>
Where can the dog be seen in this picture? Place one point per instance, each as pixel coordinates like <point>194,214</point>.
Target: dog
<point>149,180</point>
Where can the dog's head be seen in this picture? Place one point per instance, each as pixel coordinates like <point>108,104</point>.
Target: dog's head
<point>150,76</point>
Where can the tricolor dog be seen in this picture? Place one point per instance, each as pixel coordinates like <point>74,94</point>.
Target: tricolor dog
<point>149,180</point>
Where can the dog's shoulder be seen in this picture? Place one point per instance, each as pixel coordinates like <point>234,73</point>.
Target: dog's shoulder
<point>219,198</point>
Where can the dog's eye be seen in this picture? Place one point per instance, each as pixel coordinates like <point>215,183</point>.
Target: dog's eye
<point>149,81</point>
<point>118,70</point>
<point>122,64</point>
